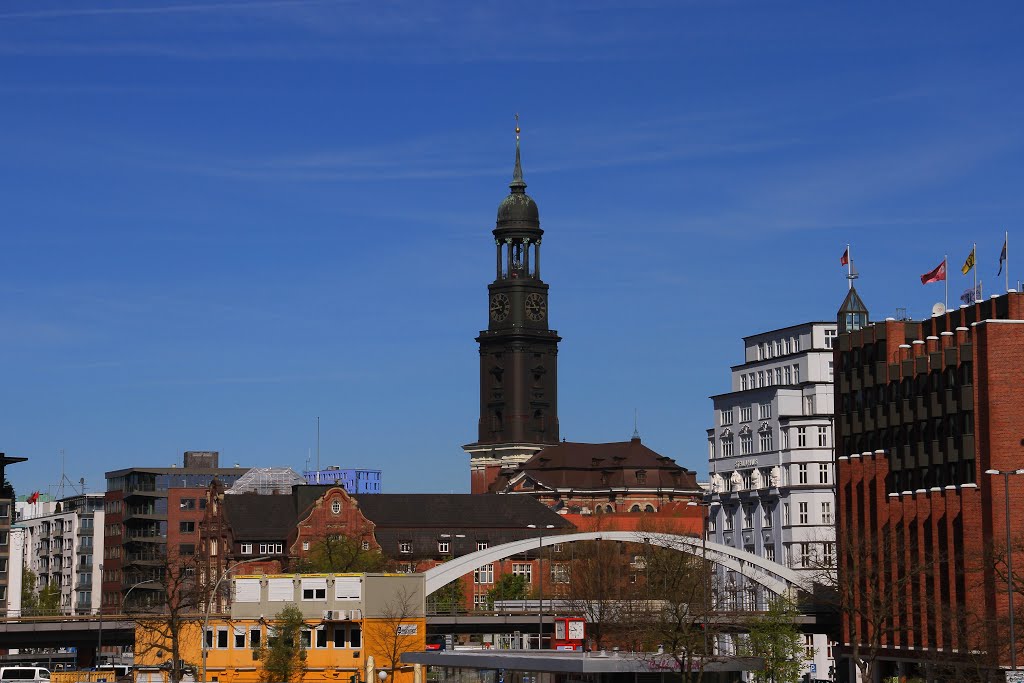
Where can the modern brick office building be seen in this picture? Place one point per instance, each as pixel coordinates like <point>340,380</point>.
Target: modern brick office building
<point>923,410</point>
<point>140,509</point>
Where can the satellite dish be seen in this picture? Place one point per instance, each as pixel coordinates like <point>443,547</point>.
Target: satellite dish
<point>938,309</point>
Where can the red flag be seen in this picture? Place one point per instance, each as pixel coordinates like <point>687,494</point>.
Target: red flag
<point>845,258</point>
<point>34,497</point>
<point>937,275</point>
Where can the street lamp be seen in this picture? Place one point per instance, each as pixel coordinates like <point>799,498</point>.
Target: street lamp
<point>704,506</point>
<point>540,581</point>
<point>128,592</point>
<point>99,638</point>
<point>1009,561</point>
<point>209,600</point>
<point>451,551</point>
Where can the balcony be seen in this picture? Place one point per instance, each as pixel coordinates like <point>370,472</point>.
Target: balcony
<point>967,397</point>
<point>967,443</point>
<point>145,559</point>
<point>144,514</point>
<point>145,538</point>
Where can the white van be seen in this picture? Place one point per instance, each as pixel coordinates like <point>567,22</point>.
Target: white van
<point>34,674</point>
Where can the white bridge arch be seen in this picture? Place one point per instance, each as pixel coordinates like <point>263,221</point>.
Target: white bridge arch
<point>773,576</point>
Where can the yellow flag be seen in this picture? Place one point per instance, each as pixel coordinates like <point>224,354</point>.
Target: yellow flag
<point>968,264</point>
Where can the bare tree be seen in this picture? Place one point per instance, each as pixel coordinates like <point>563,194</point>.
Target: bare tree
<point>166,629</point>
<point>873,590</point>
<point>603,578</point>
<point>678,614</point>
<point>398,630</point>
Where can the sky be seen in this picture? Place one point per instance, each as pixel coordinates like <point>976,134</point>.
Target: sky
<point>221,220</point>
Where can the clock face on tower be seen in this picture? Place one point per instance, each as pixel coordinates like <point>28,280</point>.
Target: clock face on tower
<point>499,307</point>
<point>535,307</point>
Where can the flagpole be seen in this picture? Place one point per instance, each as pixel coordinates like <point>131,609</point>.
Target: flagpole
<point>974,253</point>
<point>945,280</point>
<point>849,267</point>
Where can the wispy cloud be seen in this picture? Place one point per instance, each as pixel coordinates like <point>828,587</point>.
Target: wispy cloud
<point>395,31</point>
<point>79,12</point>
<point>249,379</point>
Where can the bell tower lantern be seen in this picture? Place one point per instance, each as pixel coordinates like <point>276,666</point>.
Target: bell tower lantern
<point>518,351</point>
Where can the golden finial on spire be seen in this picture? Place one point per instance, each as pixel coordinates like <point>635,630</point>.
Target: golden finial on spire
<point>517,127</point>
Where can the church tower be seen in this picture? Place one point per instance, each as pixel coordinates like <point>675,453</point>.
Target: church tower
<point>518,352</point>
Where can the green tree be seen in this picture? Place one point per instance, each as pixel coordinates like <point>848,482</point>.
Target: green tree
<point>775,637</point>
<point>337,554</point>
<point>42,601</point>
<point>508,587</point>
<point>49,599</point>
<point>283,657</point>
<point>29,597</point>
<point>448,598</point>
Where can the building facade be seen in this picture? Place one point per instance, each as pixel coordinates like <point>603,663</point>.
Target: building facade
<point>6,517</point>
<point>518,350</point>
<point>353,621</point>
<point>354,480</point>
<point>590,479</point>
<point>137,522</point>
<point>63,547</point>
<point>770,460</point>
<point>413,532</point>
<point>926,410</point>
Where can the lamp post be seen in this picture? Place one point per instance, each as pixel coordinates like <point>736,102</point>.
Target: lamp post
<point>704,506</point>
<point>99,638</point>
<point>1005,474</point>
<point>540,581</point>
<point>451,551</point>
<point>209,600</point>
<point>128,592</point>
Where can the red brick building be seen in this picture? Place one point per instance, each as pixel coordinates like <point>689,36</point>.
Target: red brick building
<point>601,478</point>
<point>923,410</point>
<point>413,531</point>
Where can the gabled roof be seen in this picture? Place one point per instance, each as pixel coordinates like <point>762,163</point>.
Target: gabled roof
<point>455,511</point>
<point>853,303</point>
<point>255,517</point>
<point>589,466</point>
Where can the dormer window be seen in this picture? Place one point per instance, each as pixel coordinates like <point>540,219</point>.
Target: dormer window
<point>641,476</point>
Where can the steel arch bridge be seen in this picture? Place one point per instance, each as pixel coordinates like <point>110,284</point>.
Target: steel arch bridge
<point>771,575</point>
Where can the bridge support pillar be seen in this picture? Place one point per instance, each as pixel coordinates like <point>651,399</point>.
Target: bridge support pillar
<point>85,657</point>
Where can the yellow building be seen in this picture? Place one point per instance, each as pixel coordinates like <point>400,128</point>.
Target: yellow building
<point>349,618</point>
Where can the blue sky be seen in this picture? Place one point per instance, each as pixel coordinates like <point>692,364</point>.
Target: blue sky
<point>223,219</point>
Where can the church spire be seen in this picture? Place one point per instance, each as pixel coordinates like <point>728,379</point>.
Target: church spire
<point>517,185</point>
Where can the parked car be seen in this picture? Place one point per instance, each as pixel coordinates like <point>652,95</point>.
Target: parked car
<point>24,673</point>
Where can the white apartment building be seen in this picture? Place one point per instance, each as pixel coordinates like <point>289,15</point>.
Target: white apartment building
<point>63,546</point>
<point>770,461</point>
